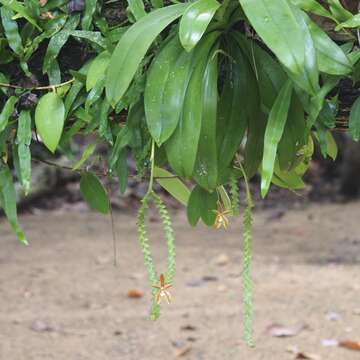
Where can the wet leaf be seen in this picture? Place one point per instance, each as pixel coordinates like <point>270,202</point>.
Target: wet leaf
<point>49,119</point>
<point>133,46</point>
<point>195,20</point>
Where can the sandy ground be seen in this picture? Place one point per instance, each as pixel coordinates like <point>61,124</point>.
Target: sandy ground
<point>61,298</point>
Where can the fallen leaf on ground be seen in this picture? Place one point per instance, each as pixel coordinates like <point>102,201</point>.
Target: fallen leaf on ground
<point>182,351</point>
<point>349,344</point>
<point>188,328</point>
<point>278,330</point>
<point>135,294</point>
<point>210,278</point>
<point>191,338</point>
<point>301,354</point>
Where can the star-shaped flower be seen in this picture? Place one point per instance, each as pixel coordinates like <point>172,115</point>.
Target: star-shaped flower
<point>162,290</point>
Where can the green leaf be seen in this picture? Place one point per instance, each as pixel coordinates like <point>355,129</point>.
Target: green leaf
<point>274,130</point>
<point>312,6</point>
<point>332,149</point>
<point>57,42</point>
<point>339,12</point>
<point>23,140</point>
<point>90,7</point>
<point>88,151</point>
<point>331,58</point>
<point>294,135</point>
<point>8,201</point>
<point>201,204</point>
<point>354,121</point>
<point>195,20</point>
<point>49,119</point>
<point>269,73</point>
<point>94,193</point>
<point>137,8</point>
<point>354,22</point>
<point>206,167</point>
<point>133,46</point>
<point>238,105</point>
<point>11,31</point>
<point>93,36</point>
<point>283,29</point>
<point>287,179</point>
<point>19,8</point>
<point>97,70</point>
<point>7,112</point>
<point>159,115</point>
<point>181,148</point>
<point>172,185</point>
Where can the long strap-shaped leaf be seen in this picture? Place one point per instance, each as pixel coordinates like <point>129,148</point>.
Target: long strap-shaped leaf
<point>238,105</point>
<point>274,130</point>
<point>182,146</point>
<point>354,123</point>
<point>312,6</point>
<point>206,167</point>
<point>195,20</point>
<point>284,31</point>
<point>331,58</point>
<point>8,201</point>
<point>133,46</point>
<point>20,9</point>
<point>160,118</point>
<point>23,139</point>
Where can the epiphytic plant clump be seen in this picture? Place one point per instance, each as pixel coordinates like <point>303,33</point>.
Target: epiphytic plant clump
<point>207,91</point>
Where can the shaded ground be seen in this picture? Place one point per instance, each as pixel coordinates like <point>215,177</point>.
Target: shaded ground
<point>61,298</point>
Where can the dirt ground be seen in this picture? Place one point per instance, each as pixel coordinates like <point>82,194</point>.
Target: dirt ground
<point>61,298</point>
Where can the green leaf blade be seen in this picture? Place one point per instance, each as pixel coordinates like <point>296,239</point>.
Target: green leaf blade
<point>133,46</point>
<point>354,121</point>
<point>159,119</point>
<point>49,119</point>
<point>194,22</point>
<point>24,154</point>
<point>284,31</point>
<point>274,130</point>
<point>94,193</point>
<point>8,202</point>
<point>172,185</point>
